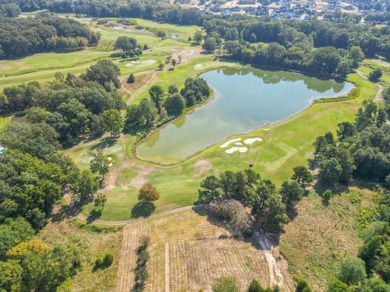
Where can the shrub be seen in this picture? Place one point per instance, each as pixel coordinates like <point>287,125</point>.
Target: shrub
<point>131,78</point>
<point>225,284</point>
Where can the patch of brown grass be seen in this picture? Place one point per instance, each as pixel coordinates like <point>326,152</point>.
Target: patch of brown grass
<point>318,239</point>
<point>197,254</point>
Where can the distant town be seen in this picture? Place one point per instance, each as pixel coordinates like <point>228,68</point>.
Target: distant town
<point>377,11</point>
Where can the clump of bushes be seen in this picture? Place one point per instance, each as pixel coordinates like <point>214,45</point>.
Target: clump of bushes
<point>140,272</point>
<point>104,262</point>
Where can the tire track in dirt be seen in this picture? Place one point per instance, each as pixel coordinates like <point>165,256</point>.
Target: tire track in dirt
<point>275,270</point>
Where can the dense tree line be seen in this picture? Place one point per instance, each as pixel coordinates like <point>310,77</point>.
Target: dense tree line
<point>69,108</point>
<point>34,175</point>
<point>228,194</point>
<point>163,106</point>
<point>24,36</point>
<point>361,149</point>
<point>341,35</point>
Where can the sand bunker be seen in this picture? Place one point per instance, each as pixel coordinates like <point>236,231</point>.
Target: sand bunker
<point>226,144</point>
<point>234,149</point>
<point>250,141</point>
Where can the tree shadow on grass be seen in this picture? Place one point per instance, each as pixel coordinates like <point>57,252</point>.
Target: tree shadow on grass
<point>106,143</point>
<point>142,209</point>
<point>94,215</point>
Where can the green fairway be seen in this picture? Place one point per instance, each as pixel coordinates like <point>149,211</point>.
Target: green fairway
<point>284,146</point>
<point>42,67</point>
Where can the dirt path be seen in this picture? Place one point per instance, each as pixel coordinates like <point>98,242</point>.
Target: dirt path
<point>378,95</point>
<point>277,265</point>
<point>167,272</point>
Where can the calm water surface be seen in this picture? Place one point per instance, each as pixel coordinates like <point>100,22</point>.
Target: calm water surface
<point>243,100</point>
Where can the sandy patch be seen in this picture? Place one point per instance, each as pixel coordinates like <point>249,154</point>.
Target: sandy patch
<point>198,67</point>
<point>234,149</point>
<point>238,144</point>
<point>250,141</point>
<point>226,144</point>
<point>148,62</point>
<point>128,65</point>
<point>202,166</point>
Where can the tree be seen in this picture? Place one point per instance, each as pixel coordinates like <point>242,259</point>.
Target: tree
<point>113,121</point>
<point>104,72</point>
<point>225,284</point>
<point>233,213</point>
<point>291,192</point>
<point>156,93</point>
<point>329,172</point>
<point>131,78</point>
<point>375,75</point>
<point>160,65</point>
<point>302,175</point>
<point>86,185</point>
<point>210,44</point>
<point>148,193</point>
<point>174,104</point>
<point>173,62</point>
<point>99,163</point>
<point>356,55</point>
<point>302,285</point>
<point>255,286</point>
<point>172,89</point>
<point>375,285</point>
<point>125,43</point>
<point>352,271</point>
<point>100,200</point>
<point>326,196</point>
<point>338,286</point>
<point>146,113</point>
<point>198,37</point>
<point>345,159</point>
<point>11,275</point>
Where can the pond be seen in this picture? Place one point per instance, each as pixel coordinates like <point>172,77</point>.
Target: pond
<point>243,100</point>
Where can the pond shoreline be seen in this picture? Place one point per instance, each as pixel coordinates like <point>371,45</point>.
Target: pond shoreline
<point>331,98</point>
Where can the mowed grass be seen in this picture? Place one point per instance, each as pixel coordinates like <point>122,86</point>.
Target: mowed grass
<point>198,253</point>
<point>42,67</point>
<point>284,146</point>
<point>48,61</point>
<point>320,237</point>
<point>178,76</point>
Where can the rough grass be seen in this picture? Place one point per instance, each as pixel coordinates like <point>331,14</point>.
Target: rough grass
<point>318,239</point>
<point>4,121</point>
<point>91,245</point>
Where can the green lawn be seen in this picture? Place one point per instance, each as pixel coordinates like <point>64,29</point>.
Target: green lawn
<point>285,145</point>
<point>42,67</point>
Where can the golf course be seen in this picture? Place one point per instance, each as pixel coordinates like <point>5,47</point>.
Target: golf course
<point>285,113</point>
<point>255,118</point>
